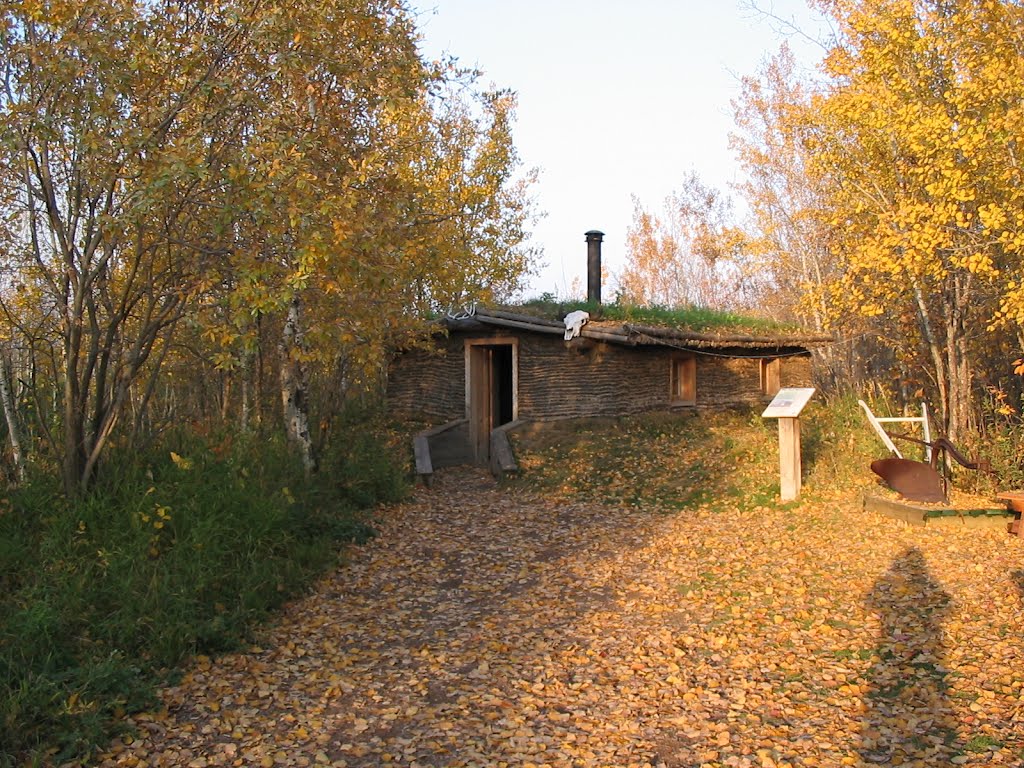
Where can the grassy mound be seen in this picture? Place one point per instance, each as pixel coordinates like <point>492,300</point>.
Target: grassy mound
<point>676,461</point>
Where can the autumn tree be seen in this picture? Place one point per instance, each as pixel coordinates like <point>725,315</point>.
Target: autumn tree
<point>790,243</point>
<point>106,136</point>
<point>787,241</point>
<point>233,168</point>
<point>914,142</point>
<point>400,197</point>
<point>692,253</point>
<point>902,212</point>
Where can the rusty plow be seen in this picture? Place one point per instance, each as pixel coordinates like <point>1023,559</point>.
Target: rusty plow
<point>918,480</point>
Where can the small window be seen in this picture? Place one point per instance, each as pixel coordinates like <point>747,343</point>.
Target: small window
<point>684,380</point>
<point>770,376</point>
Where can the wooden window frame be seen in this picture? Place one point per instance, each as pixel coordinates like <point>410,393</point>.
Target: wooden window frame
<point>683,380</point>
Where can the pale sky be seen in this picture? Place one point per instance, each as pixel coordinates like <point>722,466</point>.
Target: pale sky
<point>616,98</point>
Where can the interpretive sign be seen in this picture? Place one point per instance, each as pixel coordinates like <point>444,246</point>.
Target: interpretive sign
<point>788,403</point>
<point>786,407</point>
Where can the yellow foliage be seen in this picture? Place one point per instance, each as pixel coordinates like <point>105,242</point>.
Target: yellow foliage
<point>911,152</point>
<point>181,462</point>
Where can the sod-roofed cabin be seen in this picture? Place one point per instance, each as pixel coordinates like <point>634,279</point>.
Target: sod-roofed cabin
<point>493,369</point>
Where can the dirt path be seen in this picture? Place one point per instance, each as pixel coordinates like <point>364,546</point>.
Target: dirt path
<point>486,628</point>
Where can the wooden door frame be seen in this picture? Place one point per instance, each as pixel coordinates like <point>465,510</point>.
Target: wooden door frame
<point>470,346</point>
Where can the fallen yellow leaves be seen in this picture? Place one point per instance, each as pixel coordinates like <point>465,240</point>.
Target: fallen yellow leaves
<point>487,628</point>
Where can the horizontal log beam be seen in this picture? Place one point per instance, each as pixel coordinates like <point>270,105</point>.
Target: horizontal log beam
<point>505,323</point>
<point>726,339</point>
<point>594,333</point>
<point>502,314</point>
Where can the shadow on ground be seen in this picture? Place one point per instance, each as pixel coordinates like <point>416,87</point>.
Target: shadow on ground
<point>908,716</point>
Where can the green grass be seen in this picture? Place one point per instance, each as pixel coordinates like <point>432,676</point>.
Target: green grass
<point>670,462</point>
<point>661,461</point>
<point>688,317</point>
<point>982,743</point>
<point>178,552</point>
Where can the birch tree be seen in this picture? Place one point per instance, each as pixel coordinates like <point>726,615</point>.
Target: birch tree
<point>916,145</point>
<point>287,164</point>
<point>109,133</point>
<point>907,211</point>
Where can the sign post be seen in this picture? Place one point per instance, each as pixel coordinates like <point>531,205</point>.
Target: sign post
<point>786,407</point>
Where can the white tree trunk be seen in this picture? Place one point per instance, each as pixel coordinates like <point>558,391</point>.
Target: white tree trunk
<point>12,421</point>
<point>294,390</point>
<point>935,347</point>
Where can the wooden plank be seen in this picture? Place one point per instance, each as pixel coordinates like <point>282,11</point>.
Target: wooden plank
<point>525,326</point>
<point>441,429</point>
<point>880,430</point>
<point>503,459</point>
<point>894,509</point>
<point>771,375</point>
<point>682,335</point>
<point>421,448</point>
<point>480,402</point>
<point>519,317</point>
<point>789,458</point>
<point>594,333</point>
<point>1014,500</point>
<point>918,515</point>
<point>927,433</point>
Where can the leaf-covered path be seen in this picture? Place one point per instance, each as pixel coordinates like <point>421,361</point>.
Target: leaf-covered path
<point>487,627</point>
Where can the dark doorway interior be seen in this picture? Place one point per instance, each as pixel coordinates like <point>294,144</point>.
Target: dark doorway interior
<point>501,382</point>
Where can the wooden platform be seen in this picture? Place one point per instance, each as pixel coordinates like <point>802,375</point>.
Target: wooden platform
<point>1014,501</point>
<point>930,514</point>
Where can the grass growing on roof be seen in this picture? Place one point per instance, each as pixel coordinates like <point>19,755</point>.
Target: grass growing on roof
<point>690,317</point>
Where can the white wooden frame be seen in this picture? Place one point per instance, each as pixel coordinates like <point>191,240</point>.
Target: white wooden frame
<point>877,423</point>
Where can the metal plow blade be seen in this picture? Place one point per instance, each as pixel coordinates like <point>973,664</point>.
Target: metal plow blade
<point>913,480</point>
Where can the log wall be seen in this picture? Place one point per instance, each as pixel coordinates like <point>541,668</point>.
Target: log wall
<point>588,378</point>
<point>429,385</point>
<point>580,378</point>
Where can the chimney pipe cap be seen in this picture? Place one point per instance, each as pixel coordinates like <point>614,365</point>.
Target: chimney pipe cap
<point>594,234</point>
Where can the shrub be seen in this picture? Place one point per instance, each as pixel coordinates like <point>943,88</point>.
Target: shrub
<point>173,553</point>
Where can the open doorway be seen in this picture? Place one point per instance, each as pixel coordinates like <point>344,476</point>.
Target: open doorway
<point>491,383</point>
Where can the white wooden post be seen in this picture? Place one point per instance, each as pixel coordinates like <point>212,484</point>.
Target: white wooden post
<point>875,422</point>
<point>927,433</point>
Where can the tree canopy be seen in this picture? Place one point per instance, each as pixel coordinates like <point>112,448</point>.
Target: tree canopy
<point>884,192</point>
<point>198,179</point>
<point>912,145</point>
